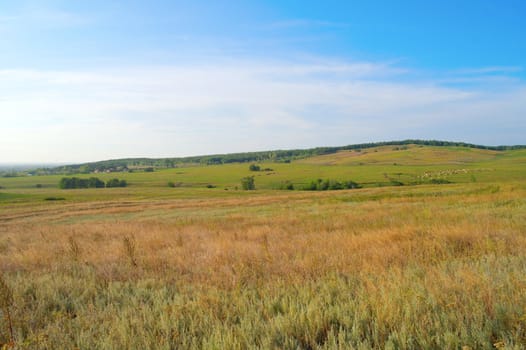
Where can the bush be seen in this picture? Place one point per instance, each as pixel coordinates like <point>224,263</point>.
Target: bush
<point>286,186</point>
<point>247,183</point>
<point>395,183</point>
<point>171,184</point>
<point>312,186</point>
<point>324,185</point>
<point>54,198</point>
<point>351,184</point>
<point>335,185</point>
<point>112,183</point>
<point>94,182</point>
<point>73,182</point>
<point>116,183</point>
<point>439,181</point>
<point>254,167</point>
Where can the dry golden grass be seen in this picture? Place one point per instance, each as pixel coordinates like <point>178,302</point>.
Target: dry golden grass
<point>408,155</point>
<point>379,268</point>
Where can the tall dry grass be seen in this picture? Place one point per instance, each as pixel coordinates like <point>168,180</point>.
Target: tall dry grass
<point>366,269</point>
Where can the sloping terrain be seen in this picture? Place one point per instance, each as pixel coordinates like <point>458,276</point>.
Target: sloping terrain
<point>406,155</point>
<point>381,166</point>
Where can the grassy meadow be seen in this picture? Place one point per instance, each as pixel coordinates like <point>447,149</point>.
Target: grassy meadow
<point>417,266</point>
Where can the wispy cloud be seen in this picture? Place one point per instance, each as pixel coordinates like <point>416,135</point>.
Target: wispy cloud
<point>492,78</point>
<point>489,70</point>
<point>240,106</point>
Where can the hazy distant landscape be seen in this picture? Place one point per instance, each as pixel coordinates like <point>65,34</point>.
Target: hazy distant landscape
<point>8,167</point>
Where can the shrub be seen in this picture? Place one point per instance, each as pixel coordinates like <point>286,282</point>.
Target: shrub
<point>116,183</point>
<point>95,182</point>
<point>351,184</point>
<point>112,183</point>
<point>335,185</point>
<point>324,185</point>
<point>75,182</point>
<point>254,167</point>
<point>247,183</point>
<point>54,198</point>
<point>439,181</point>
<point>286,185</point>
<point>395,183</point>
<point>312,186</point>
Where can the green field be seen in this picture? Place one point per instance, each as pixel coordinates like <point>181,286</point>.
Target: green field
<point>419,265</point>
<point>371,168</point>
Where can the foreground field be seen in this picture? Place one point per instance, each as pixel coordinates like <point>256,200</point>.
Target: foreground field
<point>439,267</point>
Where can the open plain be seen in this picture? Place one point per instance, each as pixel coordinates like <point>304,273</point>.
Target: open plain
<point>423,264</point>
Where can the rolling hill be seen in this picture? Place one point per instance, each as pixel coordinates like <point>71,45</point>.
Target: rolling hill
<point>280,156</point>
<point>403,164</point>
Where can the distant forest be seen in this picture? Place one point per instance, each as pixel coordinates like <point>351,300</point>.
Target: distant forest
<point>284,156</point>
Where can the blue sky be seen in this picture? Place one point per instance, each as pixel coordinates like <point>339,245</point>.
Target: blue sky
<point>91,80</point>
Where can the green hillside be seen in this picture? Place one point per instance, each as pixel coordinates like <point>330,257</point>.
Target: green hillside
<point>386,165</point>
<point>279,156</point>
<point>411,154</point>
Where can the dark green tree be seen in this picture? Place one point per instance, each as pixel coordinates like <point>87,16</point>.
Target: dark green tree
<point>247,183</point>
<point>95,182</point>
<point>113,183</point>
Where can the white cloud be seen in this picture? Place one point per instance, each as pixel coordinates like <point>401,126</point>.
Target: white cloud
<point>490,70</point>
<point>239,106</point>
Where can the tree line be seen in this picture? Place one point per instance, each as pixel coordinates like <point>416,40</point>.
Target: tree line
<point>283,156</point>
<point>92,182</point>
